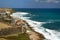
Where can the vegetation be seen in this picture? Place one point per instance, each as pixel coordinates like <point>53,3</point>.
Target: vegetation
<point>23,37</point>
<point>19,37</point>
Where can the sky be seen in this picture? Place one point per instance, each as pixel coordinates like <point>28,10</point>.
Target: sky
<point>29,3</point>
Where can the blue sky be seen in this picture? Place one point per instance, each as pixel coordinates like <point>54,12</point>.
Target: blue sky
<point>30,3</point>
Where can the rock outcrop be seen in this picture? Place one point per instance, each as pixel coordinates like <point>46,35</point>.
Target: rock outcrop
<point>5,14</point>
<point>33,35</point>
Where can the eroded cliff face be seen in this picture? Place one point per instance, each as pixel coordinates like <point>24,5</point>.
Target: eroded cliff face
<point>32,34</point>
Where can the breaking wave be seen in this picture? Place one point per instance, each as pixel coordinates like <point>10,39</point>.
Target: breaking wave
<point>37,26</point>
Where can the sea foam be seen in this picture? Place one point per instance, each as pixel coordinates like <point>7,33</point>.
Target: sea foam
<point>37,26</point>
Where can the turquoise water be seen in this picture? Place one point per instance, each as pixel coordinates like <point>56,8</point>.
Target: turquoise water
<point>44,15</point>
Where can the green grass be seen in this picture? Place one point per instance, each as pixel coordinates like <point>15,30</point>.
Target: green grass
<point>23,37</point>
<point>19,37</point>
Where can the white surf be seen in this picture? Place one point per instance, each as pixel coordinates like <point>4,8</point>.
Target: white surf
<point>37,26</point>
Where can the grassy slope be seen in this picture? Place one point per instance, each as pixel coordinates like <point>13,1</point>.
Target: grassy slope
<point>19,37</point>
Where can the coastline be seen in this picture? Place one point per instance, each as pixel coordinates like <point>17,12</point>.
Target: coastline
<point>33,35</point>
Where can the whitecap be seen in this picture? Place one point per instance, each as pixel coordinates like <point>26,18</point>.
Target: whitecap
<point>37,26</point>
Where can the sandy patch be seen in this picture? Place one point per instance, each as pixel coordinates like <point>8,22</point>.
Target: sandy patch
<point>3,25</point>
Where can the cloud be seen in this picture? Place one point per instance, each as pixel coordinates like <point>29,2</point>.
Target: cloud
<point>54,1</point>
<point>36,0</point>
<point>48,1</point>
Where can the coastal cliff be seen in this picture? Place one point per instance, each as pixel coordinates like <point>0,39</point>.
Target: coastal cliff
<point>19,27</point>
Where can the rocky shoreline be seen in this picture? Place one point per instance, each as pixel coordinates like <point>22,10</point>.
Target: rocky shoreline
<point>33,35</point>
<point>23,25</point>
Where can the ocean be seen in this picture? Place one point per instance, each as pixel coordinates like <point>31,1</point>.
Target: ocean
<point>43,20</point>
